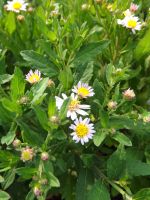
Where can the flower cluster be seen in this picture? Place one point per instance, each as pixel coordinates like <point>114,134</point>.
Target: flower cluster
<point>83,129</point>
<point>130,21</point>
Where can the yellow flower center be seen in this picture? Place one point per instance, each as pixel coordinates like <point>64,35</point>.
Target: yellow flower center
<point>17,5</point>
<point>34,78</point>
<point>26,155</point>
<point>83,91</point>
<point>74,104</point>
<point>132,23</point>
<point>81,130</point>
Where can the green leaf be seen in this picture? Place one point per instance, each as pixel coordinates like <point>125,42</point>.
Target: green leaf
<point>30,196</point>
<point>4,195</point>
<point>122,139</point>
<point>104,118</point>
<point>42,117</point>
<point>66,78</point>
<point>9,179</point>
<point>54,182</point>
<point>12,106</point>
<point>99,91</point>
<point>51,106</point>
<point>26,172</point>
<point>88,73</point>
<point>10,22</point>
<point>90,51</point>
<point>1,179</point>
<point>39,62</point>
<point>98,192</point>
<point>17,86</point>
<point>143,47</point>
<point>8,139</point>
<point>5,78</point>
<point>64,109</point>
<point>38,90</point>
<point>109,74</point>
<point>143,194</point>
<point>99,137</point>
<point>31,137</point>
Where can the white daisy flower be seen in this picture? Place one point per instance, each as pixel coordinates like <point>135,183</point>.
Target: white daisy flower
<point>130,22</point>
<point>16,5</point>
<point>83,90</point>
<point>82,130</point>
<point>33,77</point>
<point>74,107</point>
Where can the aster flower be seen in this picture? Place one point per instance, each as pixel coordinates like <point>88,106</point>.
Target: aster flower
<point>74,108</point>
<point>83,90</point>
<point>27,154</point>
<point>82,130</point>
<point>33,77</point>
<point>130,22</point>
<point>16,5</point>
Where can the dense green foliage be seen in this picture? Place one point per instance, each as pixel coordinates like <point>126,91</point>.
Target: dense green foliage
<point>68,42</point>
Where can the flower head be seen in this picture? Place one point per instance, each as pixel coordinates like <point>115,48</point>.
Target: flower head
<point>74,108</point>
<point>27,154</point>
<point>16,5</point>
<point>44,156</point>
<point>82,130</point>
<point>112,105</point>
<point>130,22</point>
<point>33,77</point>
<point>37,191</point>
<point>133,7</point>
<point>83,90</point>
<point>129,94</point>
<point>16,143</point>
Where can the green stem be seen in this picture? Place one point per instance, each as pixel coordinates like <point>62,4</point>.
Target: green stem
<point>124,194</point>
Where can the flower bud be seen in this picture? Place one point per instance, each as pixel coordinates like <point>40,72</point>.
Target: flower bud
<point>16,143</point>
<point>129,94</point>
<point>27,154</point>
<point>44,156</point>
<point>20,18</point>
<point>85,6</point>
<point>54,119</point>
<point>112,105</point>
<point>44,181</point>
<point>51,83</point>
<point>37,191</point>
<point>24,100</point>
<point>146,119</point>
<point>30,9</point>
<point>133,7</point>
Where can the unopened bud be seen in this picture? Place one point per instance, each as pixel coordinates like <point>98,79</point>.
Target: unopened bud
<point>112,105</point>
<point>133,7</point>
<point>129,94</point>
<point>85,6</point>
<point>146,119</point>
<point>37,191</point>
<point>24,100</point>
<point>54,119</point>
<point>20,18</point>
<point>44,156</point>
<point>30,9</point>
<point>51,83</point>
<point>43,181</point>
<point>16,143</point>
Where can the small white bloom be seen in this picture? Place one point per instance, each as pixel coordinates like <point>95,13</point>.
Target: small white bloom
<point>130,22</point>
<point>33,77</point>
<point>82,130</point>
<point>16,5</point>
<point>74,107</point>
<point>83,90</point>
